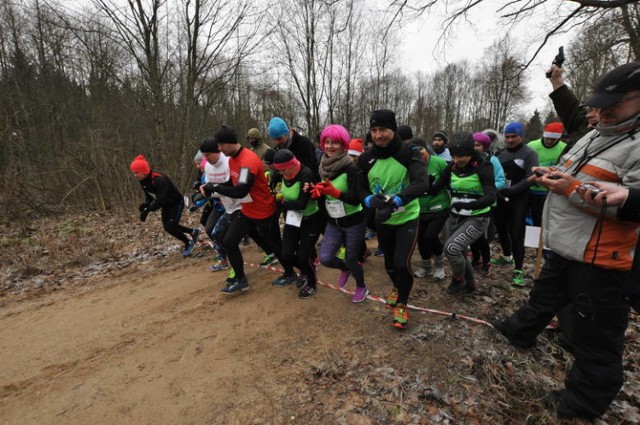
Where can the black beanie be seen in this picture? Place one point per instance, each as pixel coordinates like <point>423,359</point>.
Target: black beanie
<point>268,156</point>
<point>462,144</point>
<point>419,142</point>
<point>383,118</point>
<point>405,132</point>
<point>283,155</point>
<point>209,145</point>
<point>226,134</point>
<point>441,134</point>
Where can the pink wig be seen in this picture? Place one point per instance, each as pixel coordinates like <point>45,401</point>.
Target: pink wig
<point>337,133</point>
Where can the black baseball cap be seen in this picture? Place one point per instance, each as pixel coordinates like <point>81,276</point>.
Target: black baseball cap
<point>612,86</point>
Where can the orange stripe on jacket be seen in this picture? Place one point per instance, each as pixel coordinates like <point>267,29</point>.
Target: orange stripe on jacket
<point>596,172</point>
<point>616,246</point>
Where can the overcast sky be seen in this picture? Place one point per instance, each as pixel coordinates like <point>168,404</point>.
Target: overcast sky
<point>421,51</point>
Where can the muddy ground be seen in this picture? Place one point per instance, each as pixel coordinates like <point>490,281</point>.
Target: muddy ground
<point>103,321</point>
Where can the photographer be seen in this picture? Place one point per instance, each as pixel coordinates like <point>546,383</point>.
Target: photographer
<point>591,251</point>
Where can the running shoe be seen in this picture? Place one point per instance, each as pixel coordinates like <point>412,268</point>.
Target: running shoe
<point>378,253</point>
<point>518,278</point>
<point>438,267</point>
<point>307,291</point>
<point>392,298</point>
<point>285,279</point>
<point>400,316</point>
<point>424,270</point>
<point>502,261</point>
<point>268,260</point>
<point>302,280</point>
<point>360,294</point>
<point>219,266</point>
<point>370,235</point>
<point>239,284</point>
<point>188,249</point>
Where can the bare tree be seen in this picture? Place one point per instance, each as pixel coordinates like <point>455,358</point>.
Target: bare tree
<point>562,15</point>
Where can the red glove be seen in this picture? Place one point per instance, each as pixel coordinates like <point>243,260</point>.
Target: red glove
<point>316,192</point>
<point>330,190</point>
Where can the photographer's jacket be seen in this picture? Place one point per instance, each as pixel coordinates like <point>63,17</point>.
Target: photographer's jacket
<point>572,228</point>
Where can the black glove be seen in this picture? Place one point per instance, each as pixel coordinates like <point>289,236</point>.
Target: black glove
<point>196,185</point>
<point>503,194</point>
<point>209,188</point>
<point>143,206</point>
<point>378,201</point>
<point>144,214</point>
<point>383,214</point>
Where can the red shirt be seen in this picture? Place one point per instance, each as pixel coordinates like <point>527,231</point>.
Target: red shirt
<point>261,205</point>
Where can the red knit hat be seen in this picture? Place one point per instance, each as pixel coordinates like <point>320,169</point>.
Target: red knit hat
<point>553,130</point>
<point>140,165</point>
<point>355,147</point>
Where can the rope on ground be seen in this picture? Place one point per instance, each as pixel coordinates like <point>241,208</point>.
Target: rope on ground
<point>383,301</point>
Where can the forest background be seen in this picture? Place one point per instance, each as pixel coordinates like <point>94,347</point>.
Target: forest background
<point>86,87</point>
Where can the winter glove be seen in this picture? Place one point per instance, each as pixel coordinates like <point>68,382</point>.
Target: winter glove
<point>316,192</point>
<point>329,189</point>
<point>503,194</point>
<point>395,202</point>
<point>209,188</point>
<point>279,197</point>
<point>376,201</point>
<point>143,206</point>
<point>383,214</point>
<point>196,185</point>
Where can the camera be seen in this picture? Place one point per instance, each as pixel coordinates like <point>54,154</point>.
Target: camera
<point>540,173</point>
<point>594,190</point>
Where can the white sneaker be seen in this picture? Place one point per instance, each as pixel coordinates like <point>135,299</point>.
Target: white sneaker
<point>424,270</point>
<point>438,273</point>
<point>420,273</point>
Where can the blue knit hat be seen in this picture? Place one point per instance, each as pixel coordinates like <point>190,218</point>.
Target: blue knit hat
<point>277,128</point>
<point>514,128</point>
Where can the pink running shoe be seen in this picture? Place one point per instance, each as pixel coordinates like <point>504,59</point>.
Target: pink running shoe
<point>360,294</point>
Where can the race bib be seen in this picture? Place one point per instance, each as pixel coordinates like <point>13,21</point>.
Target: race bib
<point>335,208</point>
<point>293,218</point>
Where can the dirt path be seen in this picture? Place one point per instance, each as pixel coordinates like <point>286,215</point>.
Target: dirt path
<point>159,344</point>
<point>166,347</point>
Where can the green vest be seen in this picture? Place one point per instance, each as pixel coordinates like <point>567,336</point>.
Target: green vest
<point>546,158</point>
<point>291,193</point>
<point>467,189</point>
<point>335,207</point>
<point>442,200</point>
<point>389,177</point>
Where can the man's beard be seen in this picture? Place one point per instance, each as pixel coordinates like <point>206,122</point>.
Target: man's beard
<point>438,149</point>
